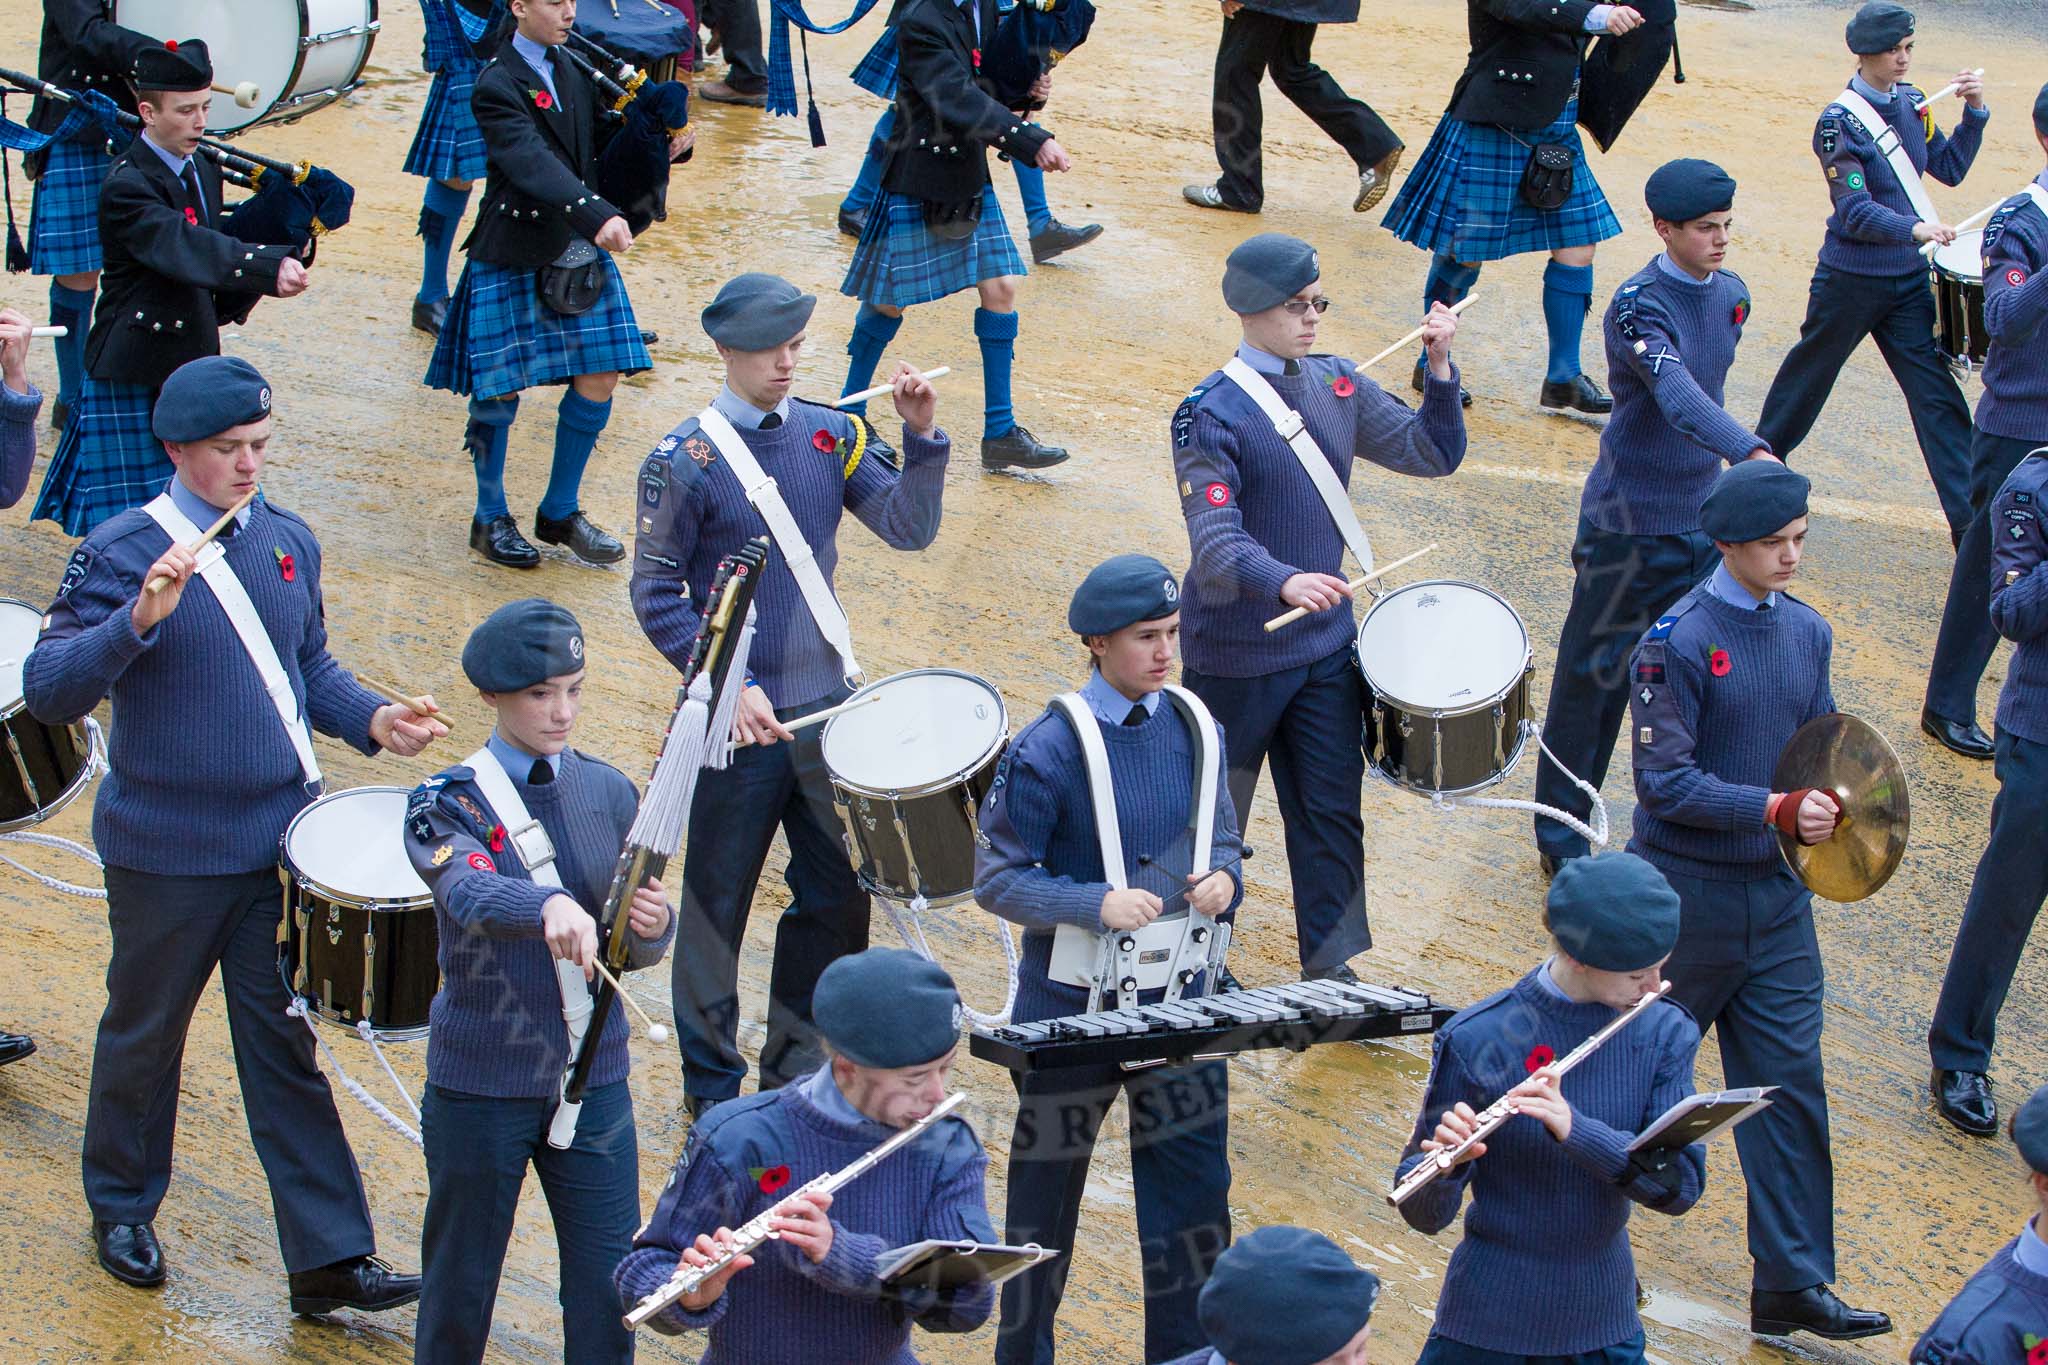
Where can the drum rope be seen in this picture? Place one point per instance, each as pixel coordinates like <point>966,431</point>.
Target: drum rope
<point>1595,833</point>
<point>369,1035</point>
<point>913,938</point>
<point>95,766</point>
<point>301,1010</point>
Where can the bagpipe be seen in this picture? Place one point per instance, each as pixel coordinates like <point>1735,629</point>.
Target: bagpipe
<point>1619,71</point>
<point>633,166</point>
<point>1031,39</point>
<point>646,33</point>
<point>699,736</point>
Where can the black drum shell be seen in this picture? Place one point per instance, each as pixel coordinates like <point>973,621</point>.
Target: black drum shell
<point>933,855</point>
<point>356,961</point>
<point>41,769</point>
<point>1478,747</point>
<point>1959,332</point>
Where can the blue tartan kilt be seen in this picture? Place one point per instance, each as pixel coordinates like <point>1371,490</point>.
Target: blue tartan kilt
<point>899,262</point>
<point>64,217</point>
<point>1464,196</point>
<point>876,72</point>
<point>448,145</point>
<point>107,461</point>
<point>500,338</point>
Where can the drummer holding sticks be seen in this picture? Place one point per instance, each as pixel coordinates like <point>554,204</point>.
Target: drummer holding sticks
<point>759,459</point>
<point>209,766</point>
<point>1269,520</point>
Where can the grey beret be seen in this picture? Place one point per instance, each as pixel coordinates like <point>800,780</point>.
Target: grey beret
<point>1879,26</point>
<point>522,644</point>
<point>1753,499</point>
<point>1284,1296</point>
<point>207,396</point>
<point>1614,912</point>
<point>756,312</point>
<point>2041,112</point>
<point>1680,191</point>
<point>1267,270</point>
<point>2030,1131</point>
<point>887,1007</point>
<point>1121,592</point>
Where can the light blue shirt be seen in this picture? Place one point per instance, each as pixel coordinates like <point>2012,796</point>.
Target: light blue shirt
<point>1880,98</point>
<point>518,763</point>
<point>1109,705</point>
<point>198,510</point>
<point>824,1092</point>
<point>1263,361</point>
<point>1673,270</point>
<point>2042,180</point>
<point>1724,586</point>
<point>1596,18</point>
<point>973,15</point>
<point>2032,1252</point>
<point>1547,979</point>
<point>743,414</point>
<point>177,165</point>
<point>540,59</point>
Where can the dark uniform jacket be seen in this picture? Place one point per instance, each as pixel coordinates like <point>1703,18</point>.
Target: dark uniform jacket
<point>169,283</point>
<point>1525,57</point>
<point>538,191</point>
<point>84,50</point>
<point>946,112</point>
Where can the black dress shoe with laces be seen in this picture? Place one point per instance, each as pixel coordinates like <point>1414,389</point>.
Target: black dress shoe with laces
<point>853,224</point>
<point>15,1046</point>
<point>364,1283</point>
<point>1964,1099</point>
<point>589,542</point>
<point>129,1252</point>
<point>1962,737</point>
<point>1578,393</point>
<point>1058,237</point>
<point>499,541</point>
<point>1777,1313</point>
<point>428,317</point>
<point>1422,371</point>
<point>1017,448</point>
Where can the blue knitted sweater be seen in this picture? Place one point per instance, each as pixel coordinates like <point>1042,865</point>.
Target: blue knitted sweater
<point>204,778</point>
<point>497,1020</point>
<point>1670,340</point>
<point>693,512</point>
<point>2020,611</point>
<point>1544,1268</point>
<point>784,1310</point>
<point>1870,231</point>
<point>1716,693</point>
<point>1040,863</point>
<point>2015,401</point>
<point>17,440</point>
<point>1255,520</point>
<point>2003,1304</point>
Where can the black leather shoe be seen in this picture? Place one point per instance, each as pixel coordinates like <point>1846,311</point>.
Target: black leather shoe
<point>365,1284</point>
<point>1964,1099</point>
<point>501,543</point>
<point>1961,737</point>
<point>1774,1313</point>
<point>1017,448</point>
<point>853,224</point>
<point>129,1252</point>
<point>1579,393</point>
<point>1058,237</point>
<point>649,339</point>
<point>15,1046</point>
<point>1341,972</point>
<point>591,543</point>
<point>1422,372</point>
<point>1551,863</point>
<point>697,1106</point>
<point>428,317</point>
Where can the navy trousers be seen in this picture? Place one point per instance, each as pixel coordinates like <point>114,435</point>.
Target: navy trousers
<point>1253,44</point>
<point>1443,1351</point>
<point>1898,313</point>
<point>1180,1166</point>
<point>732,821</point>
<point>1748,967</point>
<point>1308,721</point>
<point>739,39</point>
<point>1622,584</point>
<point>478,1148</point>
<point>1967,638</point>
<point>169,933</point>
<point>2005,897</point>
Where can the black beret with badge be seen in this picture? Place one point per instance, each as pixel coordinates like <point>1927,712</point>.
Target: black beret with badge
<point>1267,270</point>
<point>1120,592</point>
<point>757,312</point>
<point>1614,912</point>
<point>887,1008</point>
<point>207,396</point>
<point>1688,188</point>
<point>522,644</point>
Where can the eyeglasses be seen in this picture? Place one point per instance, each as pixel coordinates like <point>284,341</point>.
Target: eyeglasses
<point>1297,307</point>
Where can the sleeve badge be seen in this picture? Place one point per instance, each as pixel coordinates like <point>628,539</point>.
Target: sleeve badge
<point>1217,495</point>
<point>443,854</point>
<point>2015,277</point>
<point>482,862</point>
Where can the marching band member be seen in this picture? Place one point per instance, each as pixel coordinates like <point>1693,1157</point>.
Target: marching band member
<point>498,1046</point>
<point>1285,1296</point>
<point>1041,865</point>
<point>695,510</point>
<point>20,402</point>
<point>1463,201</point>
<point>172,278</point>
<point>2002,1313</point>
<point>1722,682</point>
<point>448,149</point>
<point>189,819</point>
<point>1874,142</point>
<point>2012,878</point>
<point>507,329</point>
<point>2012,419</point>
<point>938,228</point>
<point>892,1023</point>
<point>1265,539</point>
<point>1544,1274</point>
<point>1670,334</point>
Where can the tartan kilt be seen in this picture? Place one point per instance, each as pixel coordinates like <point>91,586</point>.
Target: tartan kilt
<point>899,262</point>
<point>876,72</point>
<point>1464,196</point>
<point>500,338</point>
<point>64,217</point>
<point>107,461</point>
<point>448,145</point>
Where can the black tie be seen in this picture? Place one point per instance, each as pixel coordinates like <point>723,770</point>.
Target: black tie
<point>771,421</point>
<point>1292,369</point>
<point>1137,716</point>
<point>542,773</point>
<point>189,177</point>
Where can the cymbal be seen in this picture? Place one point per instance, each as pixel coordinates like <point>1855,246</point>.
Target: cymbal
<point>1848,758</point>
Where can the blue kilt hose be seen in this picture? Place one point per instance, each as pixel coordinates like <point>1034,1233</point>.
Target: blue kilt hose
<point>899,262</point>
<point>64,218</point>
<point>448,145</point>
<point>1464,197</point>
<point>876,71</point>
<point>500,338</point>
<point>107,461</point>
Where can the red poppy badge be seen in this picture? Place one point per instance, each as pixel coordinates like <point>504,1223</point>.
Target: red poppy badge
<point>497,838</point>
<point>1540,1056</point>
<point>1342,386</point>
<point>191,216</point>
<point>769,1178</point>
<point>2037,1349</point>
<point>542,99</point>
<point>1718,662</point>
<point>286,569</point>
<point>1742,312</point>
<point>824,442</point>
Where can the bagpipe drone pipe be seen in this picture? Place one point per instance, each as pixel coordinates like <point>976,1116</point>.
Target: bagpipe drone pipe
<point>633,165</point>
<point>1620,71</point>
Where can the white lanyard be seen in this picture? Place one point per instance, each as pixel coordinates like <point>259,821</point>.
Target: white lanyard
<point>1875,127</point>
<point>1294,431</point>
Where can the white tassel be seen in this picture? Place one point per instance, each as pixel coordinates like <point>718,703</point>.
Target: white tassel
<point>719,734</point>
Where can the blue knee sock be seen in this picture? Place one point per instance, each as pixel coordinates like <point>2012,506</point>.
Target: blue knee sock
<point>1031,189</point>
<point>578,423</point>
<point>490,429</point>
<point>873,330</point>
<point>70,308</point>
<point>867,186</point>
<point>1567,292</point>
<point>997,333</point>
<point>1449,280</point>
<point>440,218</point>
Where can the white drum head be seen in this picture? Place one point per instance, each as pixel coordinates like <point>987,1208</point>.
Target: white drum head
<point>931,725</point>
<point>1964,257</point>
<point>353,843</point>
<point>20,624</point>
<point>261,42</point>
<point>1442,646</point>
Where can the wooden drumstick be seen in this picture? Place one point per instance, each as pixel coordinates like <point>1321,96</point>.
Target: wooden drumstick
<point>878,390</point>
<point>820,717</point>
<point>656,1033</point>
<point>1929,248</point>
<point>1289,617</point>
<point>417,705</point>
<point>157,585</point>
<point>1460,306</point>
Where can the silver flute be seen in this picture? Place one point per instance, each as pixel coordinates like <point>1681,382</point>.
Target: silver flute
<point>1505,1108</point>
<point>760,1229</point>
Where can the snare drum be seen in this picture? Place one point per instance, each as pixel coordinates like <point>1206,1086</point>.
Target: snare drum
<point>45,766</point>
<point>358,938</point>
<point>1447,666</point>
<point>1958,278</point>
<point>908,773</point>
<point>302,55</point>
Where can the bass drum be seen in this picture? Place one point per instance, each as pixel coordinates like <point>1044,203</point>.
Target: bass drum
<point>301,55</point>
<point>45,766</point>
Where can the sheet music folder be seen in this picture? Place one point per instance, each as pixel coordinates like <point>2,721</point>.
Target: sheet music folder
<point>940,1264</point>
<point>1698,1117</point>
